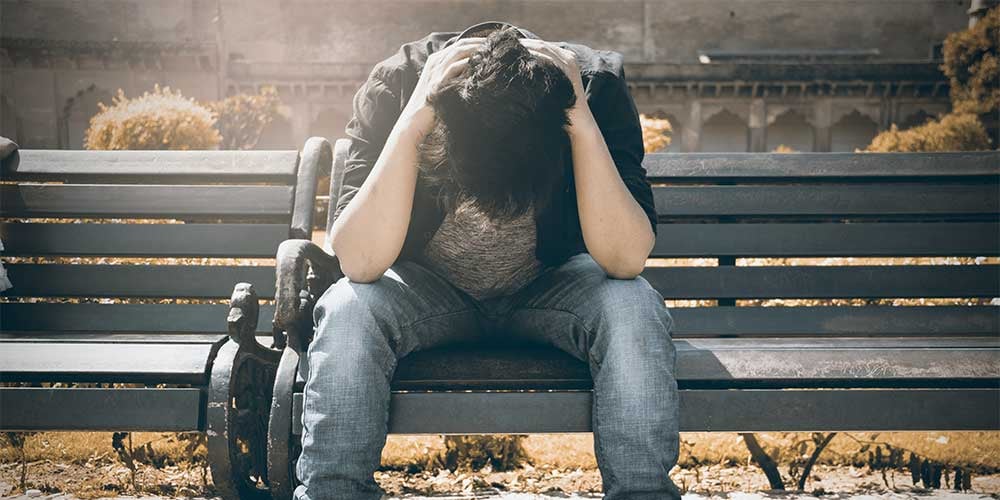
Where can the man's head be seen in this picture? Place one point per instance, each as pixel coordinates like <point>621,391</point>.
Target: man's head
<point>500,130</point>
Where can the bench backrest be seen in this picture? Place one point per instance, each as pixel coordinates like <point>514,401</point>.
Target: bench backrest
<point>730,212</point>
<point>63,209</point>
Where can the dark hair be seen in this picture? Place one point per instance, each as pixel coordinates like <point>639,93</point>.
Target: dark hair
<point>500,130</point>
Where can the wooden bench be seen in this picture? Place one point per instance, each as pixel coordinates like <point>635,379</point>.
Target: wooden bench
<point>740,366</point>
<point>160,362</point>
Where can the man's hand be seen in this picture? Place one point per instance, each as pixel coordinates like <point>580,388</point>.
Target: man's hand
<point>563,59</point>
<point>441,68</point>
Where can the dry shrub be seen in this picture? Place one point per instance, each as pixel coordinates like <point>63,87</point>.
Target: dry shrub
<point>161,119</point>
<point>241,118</point>
<point>656,133</point>
<point>953,132</point>
<point>972,65</point>
<point>473,452</point>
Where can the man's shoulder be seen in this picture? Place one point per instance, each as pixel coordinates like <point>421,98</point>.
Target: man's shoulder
<point>410,57</point>
<point>596,61</point>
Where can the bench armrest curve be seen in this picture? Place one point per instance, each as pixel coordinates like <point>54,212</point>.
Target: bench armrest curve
<point>304,271</point>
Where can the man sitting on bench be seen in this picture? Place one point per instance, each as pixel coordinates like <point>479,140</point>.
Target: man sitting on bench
<point>493,192</point>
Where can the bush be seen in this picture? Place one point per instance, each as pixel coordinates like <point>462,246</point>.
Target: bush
<point>655,133</point>
<point>156,120</point>
<point>241,118</point>
<point>953,132</point>
<point>972,65</point>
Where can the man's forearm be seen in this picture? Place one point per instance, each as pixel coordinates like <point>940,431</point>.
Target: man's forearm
<point>369,233</point>
<point>615,228</point>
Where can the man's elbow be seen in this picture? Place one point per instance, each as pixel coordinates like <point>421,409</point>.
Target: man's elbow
<point>622,267</point>
<point>625,272</point>
<point>360,274</point>
<point>626,264</point>
<point>358,267</point>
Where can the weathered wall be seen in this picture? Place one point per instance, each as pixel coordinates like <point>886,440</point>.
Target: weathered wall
<point>644,30</point>
<point>60,57</point>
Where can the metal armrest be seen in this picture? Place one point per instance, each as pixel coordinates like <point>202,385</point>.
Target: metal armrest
<point>304,272</point>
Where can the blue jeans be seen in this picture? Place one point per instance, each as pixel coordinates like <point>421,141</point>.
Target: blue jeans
<point>621,328</point>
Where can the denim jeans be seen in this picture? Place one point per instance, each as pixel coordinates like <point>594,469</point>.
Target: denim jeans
<point>621,328</point>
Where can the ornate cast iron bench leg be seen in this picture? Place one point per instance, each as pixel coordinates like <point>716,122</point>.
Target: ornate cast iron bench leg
<point>239,404</point>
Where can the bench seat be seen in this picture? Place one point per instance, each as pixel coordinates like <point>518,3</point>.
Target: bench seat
<point>949,382</point>
<point>719,363</point>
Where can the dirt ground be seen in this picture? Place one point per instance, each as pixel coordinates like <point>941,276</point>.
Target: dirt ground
<point>711,465</point>
<point>703,482</point>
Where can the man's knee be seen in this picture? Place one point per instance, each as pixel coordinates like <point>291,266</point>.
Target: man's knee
<point>633,301</point>
<point>618,299</point>
<point>634,324</point>
<point>347,308</point>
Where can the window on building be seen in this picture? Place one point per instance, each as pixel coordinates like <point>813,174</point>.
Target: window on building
<point>853,131</point>
<point>790,129</point>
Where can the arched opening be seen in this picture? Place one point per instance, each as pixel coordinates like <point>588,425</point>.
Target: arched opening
<point>853,131</point>
<point>724,133</point>
<point>790,129</point>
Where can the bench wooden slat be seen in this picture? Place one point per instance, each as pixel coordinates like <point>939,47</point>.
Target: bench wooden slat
<point>56,319</point>
<point>155,319</point>
<point>828,239</point>
<point>144,240</point>
<point>48,337</point>
<point>144,201</point>
<point>723,363</point>
<point>827,200</point>
<point>700,410</point>
<point>909,321</point>
<point>136,409</point>
<point>92,280</point>
<point>150,363</point>
<point>155,166</point>
<point>824,281</point>
<point>818,166</point>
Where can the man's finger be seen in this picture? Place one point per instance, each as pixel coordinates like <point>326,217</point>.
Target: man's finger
<point>456,52</point>
<point>454,69</point>
<point>547,57</point>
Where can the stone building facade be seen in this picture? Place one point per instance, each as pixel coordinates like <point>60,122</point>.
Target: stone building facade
<point>740,75</point>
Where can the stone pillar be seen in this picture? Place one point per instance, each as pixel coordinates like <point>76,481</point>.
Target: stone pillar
<point>691,133</point>
<point>822,124</point>
<point>758,125</point>
<point>886,114</point>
